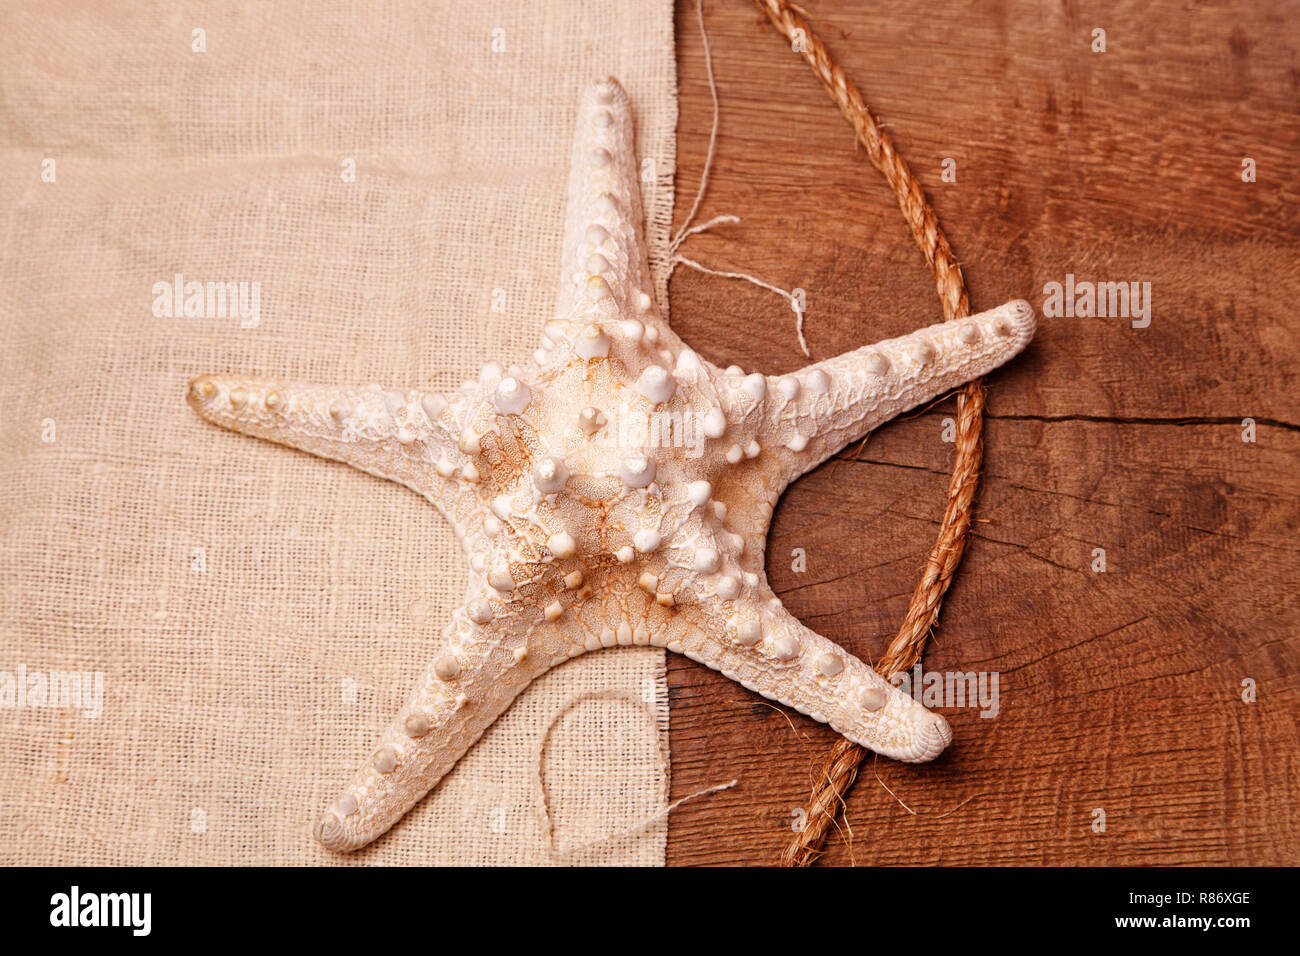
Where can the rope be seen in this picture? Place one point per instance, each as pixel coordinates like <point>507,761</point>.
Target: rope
<point>840,766</point>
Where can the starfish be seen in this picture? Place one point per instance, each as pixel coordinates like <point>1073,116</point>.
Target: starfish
<point>616,490</point>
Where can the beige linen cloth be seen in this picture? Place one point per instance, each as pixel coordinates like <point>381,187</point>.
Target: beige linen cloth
<point>391,177</point>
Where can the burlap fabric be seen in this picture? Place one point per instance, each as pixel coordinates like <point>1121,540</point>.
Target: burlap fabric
<point>389,179</point>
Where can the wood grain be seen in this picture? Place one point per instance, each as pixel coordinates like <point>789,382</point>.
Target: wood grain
<point>1121,690</point>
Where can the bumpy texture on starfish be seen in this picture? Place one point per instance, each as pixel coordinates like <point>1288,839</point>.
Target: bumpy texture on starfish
<point>617,490</point>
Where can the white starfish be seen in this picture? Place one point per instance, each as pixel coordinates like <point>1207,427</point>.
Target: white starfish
<point>616,490</point>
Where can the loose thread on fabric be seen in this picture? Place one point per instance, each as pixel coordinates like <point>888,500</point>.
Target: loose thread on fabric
<point>553,854</point>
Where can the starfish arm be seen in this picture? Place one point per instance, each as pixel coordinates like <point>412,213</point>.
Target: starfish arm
<point>815,412</point>
<point>404,436</point>
<point>481,670</point>
<point>605,282</point>
<point>603,237</point>
<point>765,648</point>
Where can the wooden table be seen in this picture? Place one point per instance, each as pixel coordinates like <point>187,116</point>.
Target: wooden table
<point>1121,691</point>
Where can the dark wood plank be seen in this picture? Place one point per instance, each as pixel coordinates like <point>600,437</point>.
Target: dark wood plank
<point>1118,690</point>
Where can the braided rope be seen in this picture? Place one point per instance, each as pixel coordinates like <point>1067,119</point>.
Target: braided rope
<point>840,766</point>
